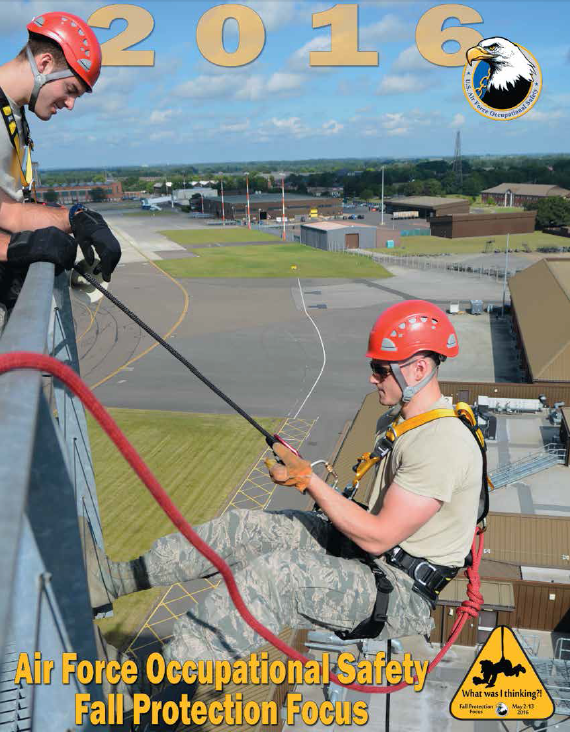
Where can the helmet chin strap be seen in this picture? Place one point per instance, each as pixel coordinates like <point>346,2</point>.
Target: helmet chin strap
<point>409,391</point>
<point>41,79</point>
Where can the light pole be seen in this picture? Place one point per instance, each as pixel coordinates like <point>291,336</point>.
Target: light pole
<point>382,203</point>
<point>505,277</point>
<point>223,209</point>
<point>247,196</point>
<point>283,206</point>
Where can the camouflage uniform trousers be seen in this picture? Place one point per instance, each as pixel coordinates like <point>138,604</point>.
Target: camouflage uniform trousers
<point>286,578</point>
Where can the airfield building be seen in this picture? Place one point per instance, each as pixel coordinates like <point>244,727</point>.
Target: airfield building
<point>540,296</point>
<point>427,206</point>
<point>457,225</point>
<point>266,206</point>
<point>517,194</point>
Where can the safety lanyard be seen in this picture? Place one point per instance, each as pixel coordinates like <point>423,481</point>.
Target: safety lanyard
<point>23,151</point>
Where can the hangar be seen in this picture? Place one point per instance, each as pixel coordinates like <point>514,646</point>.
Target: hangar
<point>263,206</point>
<point>540,296</point>
<point>427,206</point>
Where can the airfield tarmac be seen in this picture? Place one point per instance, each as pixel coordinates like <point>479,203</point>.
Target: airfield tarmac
<point>253,338</point>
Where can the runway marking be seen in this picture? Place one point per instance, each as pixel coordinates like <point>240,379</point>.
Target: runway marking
<point>170,331</point>
<point>92,316</point>
<point>322,346</point>
<point>254,493</point>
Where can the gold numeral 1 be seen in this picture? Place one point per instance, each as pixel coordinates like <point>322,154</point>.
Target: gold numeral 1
<point>430,37</point>
<point>139,26</point>
<point>343,20</point>
<point>209,35</point>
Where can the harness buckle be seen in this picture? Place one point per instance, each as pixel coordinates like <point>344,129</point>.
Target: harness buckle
<point>419,580</point>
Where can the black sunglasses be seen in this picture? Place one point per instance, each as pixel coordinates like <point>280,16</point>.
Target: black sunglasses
<point>380,372</point>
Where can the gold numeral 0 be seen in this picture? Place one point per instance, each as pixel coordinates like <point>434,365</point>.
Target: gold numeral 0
<point>343,20</point>
<point>209,35</point>
<point>430,37</point>
<point>139,26</point>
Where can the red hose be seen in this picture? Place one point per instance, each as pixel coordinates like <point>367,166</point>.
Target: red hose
<point>47,364</point>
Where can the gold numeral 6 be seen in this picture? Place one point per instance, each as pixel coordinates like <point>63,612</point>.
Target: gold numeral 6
<point>139,26</point>
<point>430,37</point>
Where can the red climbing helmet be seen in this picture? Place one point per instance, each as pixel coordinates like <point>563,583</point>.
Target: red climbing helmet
<point>77,41</point>
<point>411,326</point>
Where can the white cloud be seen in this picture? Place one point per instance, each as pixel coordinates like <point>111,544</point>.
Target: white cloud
<point>162,135</point>
<point>552,117</point>
<point>160,116</point>
<point>274,14</point>
<point>14,16</point>
<point>206,87</point>
<point>394,124</point>
<point>410,59</point>
<point>282,81</point>
<point>299,61</point>
<point>235,126</point>
<point>457,121</point>
<point>332,127</point>
<point>403,84</point>
<point>390,28</point>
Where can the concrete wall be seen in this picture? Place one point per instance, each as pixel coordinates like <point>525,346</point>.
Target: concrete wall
<point>458,225</point>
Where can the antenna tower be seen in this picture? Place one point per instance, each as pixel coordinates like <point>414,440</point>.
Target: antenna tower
<point>457,169</point>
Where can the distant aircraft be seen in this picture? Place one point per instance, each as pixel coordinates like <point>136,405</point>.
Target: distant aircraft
<point>151,204</point>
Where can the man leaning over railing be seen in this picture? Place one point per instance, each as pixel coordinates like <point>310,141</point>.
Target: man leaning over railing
<point>60,62</point>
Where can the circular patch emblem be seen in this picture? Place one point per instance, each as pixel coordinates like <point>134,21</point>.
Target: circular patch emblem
<point>501,80</point>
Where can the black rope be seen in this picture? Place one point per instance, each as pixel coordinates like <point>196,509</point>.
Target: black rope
<point>270,439</point>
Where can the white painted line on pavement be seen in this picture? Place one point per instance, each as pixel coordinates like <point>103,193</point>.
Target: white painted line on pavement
<point>322,346</point>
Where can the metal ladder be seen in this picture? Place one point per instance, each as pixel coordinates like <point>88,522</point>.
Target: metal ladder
<point>553,454</point>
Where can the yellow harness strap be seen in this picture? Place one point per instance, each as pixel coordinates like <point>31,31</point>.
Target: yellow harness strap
<point>25,168</point>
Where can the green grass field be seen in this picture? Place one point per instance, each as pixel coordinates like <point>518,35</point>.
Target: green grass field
<point>216,235</point>
<point>272,261</point>
<point>198,458</point>
<point>475,244</point>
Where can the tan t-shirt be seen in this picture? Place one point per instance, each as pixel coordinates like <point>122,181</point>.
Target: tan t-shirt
<point>440,459</point>
<point>10,181</point>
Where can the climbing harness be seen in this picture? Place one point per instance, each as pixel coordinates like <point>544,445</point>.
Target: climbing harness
<point>269,438</point>
<point>50,365</point>
<point>23,148</point>
<point>429,578</point>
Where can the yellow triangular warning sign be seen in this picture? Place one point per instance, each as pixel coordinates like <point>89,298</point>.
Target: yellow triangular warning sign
<point>502,684</point>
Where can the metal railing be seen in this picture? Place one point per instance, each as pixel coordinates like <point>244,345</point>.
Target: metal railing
<point>553,454</point>
<point>434,262</point>
<point>46,479</point>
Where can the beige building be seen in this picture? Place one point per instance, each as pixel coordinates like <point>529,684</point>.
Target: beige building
<point>540,296</point>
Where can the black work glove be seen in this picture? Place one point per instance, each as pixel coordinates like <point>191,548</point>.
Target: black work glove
<point>42,245</point>
<point>90,230</point>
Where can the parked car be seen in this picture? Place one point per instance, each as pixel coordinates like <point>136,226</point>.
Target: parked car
<point>360,216</point>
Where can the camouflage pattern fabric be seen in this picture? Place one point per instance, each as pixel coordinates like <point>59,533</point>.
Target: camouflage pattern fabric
<point>286,578</point>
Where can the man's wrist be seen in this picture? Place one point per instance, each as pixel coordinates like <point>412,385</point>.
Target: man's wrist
<point>73,210</point>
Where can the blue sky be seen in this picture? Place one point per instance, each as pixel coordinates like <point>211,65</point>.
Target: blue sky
<point>185,109</point>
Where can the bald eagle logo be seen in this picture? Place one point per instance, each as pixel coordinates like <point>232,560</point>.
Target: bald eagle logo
<point>501,79</point>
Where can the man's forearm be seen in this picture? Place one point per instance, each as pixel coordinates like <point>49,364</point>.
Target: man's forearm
<point>353,521</point>
<point>15,217</point>
<point>4,241</point>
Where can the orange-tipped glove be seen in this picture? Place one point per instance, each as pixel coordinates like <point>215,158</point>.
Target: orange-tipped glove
<point>295,471</point>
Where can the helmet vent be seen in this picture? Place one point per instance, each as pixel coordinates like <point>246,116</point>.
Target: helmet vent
<point>39,21</point>
<point>85,63</point>
<point>388,345</point>
<point>81,33</point>
<point>412,320</point>
<point>451,341</point>
<point>434,321</point>
<point>423,319</point>
<point>393,334</point>
<point>402,326</point>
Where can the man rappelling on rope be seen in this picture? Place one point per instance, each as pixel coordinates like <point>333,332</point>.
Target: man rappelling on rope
<point>359,573</point>
<point>60,62</point>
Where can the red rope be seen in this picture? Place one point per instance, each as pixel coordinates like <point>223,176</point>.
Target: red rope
<point>47,364</point>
